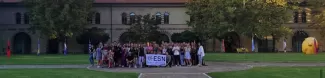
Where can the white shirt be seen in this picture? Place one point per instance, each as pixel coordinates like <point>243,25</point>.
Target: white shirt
<point>176,50</point>
<point>201,51</point>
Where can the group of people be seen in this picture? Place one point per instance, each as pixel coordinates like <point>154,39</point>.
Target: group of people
<point>133,54</point>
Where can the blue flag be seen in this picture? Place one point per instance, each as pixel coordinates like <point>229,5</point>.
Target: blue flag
<point>253,44</point>
<point>38,47</point>
<point>65,48</point>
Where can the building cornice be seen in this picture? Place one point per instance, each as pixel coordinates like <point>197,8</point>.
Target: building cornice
<point>112,5</point>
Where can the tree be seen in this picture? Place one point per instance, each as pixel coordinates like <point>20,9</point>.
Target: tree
<point>207,21</point>
<point>185,36</point>
<point>58,19</point>
<point>144,29</point>
<point>263,18</point>
<point>94,35</point>
<point>318,17</point>
<point>129,37</point>
<point>189,36</point>
<point>177,37</point>
<point>213,18</point>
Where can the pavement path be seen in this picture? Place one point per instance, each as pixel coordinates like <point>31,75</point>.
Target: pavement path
<point>174,72</point>
<point>179,72</point>
<point>198,72</point>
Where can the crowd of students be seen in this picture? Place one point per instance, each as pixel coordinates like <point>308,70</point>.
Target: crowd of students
<point>133,54</point>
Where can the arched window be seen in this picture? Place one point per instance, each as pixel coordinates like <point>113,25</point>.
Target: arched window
<point>295,17</point>
<point>158,18</point>
<point>132,17</point>
<point>166,18</point>
<point>26,18</point>
<point>304,17</point>
<point>18,18</point>
<point>124,18</point>
<point>97,18</point>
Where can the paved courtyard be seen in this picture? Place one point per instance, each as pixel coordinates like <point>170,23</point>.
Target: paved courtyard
<point>174,72</point>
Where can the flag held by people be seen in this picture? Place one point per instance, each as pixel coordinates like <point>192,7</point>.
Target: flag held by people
<point>38,47</point>
<point>253,44</point>
<point>65,48</point>
<point>223,45</point>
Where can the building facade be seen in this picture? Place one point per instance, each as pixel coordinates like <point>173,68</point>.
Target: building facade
<point>112,14</point>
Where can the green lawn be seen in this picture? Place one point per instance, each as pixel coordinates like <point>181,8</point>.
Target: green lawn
<point>45,59</point>
<point>62,73</point>
<point>272,72</point>
<point>217,57</point>
<point>264,57</point>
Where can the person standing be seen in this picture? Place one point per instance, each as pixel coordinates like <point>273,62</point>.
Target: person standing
<point>200,54</point>
<point>99,56</point>
<point>124,55</point>
<point>164,50</point>
<point>91,55</point>
<point>194,54</point>
<point>130,59</point>
<point>176,49</point>
<point>117,55</point>
<point>188,55</point>
<point>135,53</point>
<point>150,49</point>
<point>141,55</point>
<point>170,53</point>
<point>182,53</point>
<point>110,58</point>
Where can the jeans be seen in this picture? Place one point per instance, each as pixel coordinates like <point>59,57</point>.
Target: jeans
<point>200,59</point>
<point>91,59</point>
<point>182,59</point>
<point>141,60</point>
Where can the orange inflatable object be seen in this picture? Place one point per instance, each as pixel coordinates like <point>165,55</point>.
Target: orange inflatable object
<point>310,46</point>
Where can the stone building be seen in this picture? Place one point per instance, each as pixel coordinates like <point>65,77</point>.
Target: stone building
<point>112,14</point>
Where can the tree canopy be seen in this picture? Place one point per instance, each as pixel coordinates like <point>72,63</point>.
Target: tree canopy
<point>144,29</point>
<point>185,36</point>
<point>94,35</point>
<point>213,18</point>
<point>318,16</point>
<point>58,18</point>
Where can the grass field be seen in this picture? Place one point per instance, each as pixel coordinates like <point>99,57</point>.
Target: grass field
<point>216,57</point>
<point>62,73</point>
<point>45,59</point>
<point>272,72</point>
<point>264,57</point>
